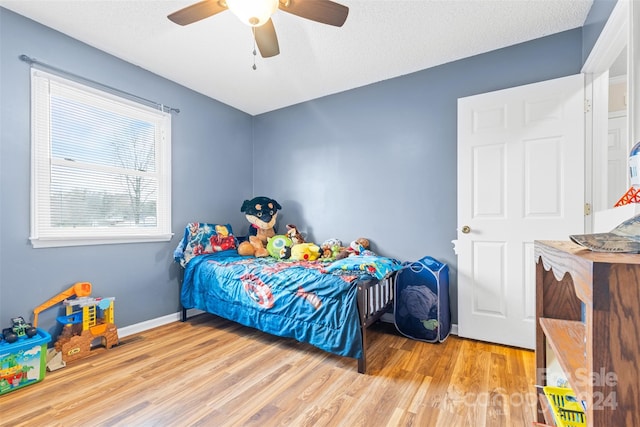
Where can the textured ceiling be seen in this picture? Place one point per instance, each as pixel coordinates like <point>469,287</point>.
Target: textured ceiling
<point>381,39</point>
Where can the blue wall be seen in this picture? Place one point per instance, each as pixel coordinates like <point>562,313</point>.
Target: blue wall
<point>594,24</point>
<point>377,161</point>
<point>209,140</point>
<point>380,161</point>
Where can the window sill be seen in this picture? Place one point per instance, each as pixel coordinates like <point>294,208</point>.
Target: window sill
<point>56,242</point>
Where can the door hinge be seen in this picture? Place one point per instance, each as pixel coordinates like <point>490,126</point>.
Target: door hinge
<point>587,209</point>
<point>587,105</point>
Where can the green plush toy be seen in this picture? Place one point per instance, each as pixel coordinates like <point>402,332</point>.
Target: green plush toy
<point>279,246</point>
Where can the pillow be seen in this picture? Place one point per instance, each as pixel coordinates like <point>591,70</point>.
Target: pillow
<point>203,238</point>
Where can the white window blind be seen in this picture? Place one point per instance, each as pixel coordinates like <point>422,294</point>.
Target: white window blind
<point>100,166</point>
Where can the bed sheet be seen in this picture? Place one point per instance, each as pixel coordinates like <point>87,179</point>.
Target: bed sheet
<point>301,300</point>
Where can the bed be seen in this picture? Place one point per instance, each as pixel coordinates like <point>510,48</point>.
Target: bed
<point>328,304</point>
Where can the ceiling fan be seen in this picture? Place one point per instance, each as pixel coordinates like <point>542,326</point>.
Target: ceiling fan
<point>257,14</point>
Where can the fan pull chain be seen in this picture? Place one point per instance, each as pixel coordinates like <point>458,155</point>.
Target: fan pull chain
<point>254,47</point>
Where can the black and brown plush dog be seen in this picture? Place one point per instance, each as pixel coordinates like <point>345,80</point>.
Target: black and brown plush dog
<point>261,212</point>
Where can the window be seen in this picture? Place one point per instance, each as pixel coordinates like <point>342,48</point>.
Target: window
<point>100,166</point>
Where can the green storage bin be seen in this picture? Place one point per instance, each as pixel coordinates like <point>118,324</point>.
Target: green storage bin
<point>23,362</point>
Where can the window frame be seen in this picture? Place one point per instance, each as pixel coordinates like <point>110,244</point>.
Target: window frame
<point>42,234</point>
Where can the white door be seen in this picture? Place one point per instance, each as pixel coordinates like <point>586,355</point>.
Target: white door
<point>520,179</point>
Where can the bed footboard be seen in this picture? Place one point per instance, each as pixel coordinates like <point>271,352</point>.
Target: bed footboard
<point>374,299</point>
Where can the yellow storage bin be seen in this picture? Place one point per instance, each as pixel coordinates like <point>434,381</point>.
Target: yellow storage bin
<point>567,409</point>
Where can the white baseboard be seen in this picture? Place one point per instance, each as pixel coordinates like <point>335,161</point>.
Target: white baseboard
<point>153,323</point>
<point>175,317</point>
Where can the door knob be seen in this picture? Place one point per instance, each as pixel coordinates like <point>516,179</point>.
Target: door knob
<point>466,229</point>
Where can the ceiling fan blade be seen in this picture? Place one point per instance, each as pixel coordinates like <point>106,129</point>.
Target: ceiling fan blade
<point>323,11</point>
<point>266,39</point>
<point>197,11</point>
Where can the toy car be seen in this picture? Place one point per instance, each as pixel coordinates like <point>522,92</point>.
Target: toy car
<point>19,329</point>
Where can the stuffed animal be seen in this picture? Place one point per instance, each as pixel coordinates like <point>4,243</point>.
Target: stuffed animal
<point>305,252</point>
<point>330,248</point>
<point>279,246</point>
<point>252,247</point>
<point>359,245</point>
<point>246,249</point>
<point>294,234</point>
<point>356,247</point>
<point>260,250</point>
<point>261,212</point>
<point>325,252</point>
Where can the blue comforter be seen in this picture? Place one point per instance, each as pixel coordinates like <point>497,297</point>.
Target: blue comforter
<point>301,300</point>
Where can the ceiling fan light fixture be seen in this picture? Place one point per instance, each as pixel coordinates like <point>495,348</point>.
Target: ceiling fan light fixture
<point>253,12</point>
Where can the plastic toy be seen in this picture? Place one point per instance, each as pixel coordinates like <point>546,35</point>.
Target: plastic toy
<point>19,329</point>
<point>87,320</point>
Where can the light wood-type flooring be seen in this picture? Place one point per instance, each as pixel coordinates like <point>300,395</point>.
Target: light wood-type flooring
<point>212,372</point>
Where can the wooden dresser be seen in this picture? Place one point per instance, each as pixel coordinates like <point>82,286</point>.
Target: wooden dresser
<point>588,312</point>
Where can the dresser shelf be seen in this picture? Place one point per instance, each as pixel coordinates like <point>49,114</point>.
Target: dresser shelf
<point>588,313</point>
<point>567,339</point>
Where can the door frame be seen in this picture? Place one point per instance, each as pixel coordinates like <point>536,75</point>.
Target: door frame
<point>612,40</point>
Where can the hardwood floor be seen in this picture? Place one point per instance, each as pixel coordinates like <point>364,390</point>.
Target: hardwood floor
<point>212,372</point>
